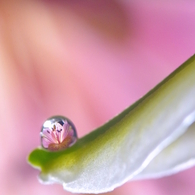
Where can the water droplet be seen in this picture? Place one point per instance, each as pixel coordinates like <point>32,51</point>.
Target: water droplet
<point>58,133</point>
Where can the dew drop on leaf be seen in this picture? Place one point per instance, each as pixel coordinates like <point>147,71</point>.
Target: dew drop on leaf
<point>58,133</point>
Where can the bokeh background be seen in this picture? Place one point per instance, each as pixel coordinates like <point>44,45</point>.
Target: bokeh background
<point>87,60</point>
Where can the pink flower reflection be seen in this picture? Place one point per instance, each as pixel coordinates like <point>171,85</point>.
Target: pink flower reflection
<point>58,135</point>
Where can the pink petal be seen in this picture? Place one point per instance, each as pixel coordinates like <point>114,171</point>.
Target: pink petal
<point>54,137</point>
<point>65,132</point>
<point>61,135</point>
<point>46,142</point>
<point>47,133</point>
<point>59,127</point>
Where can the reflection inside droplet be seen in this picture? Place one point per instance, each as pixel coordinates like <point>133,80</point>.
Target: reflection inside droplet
<point>58,133</point>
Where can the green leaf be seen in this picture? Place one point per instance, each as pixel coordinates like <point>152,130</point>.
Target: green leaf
<point>146,140</point>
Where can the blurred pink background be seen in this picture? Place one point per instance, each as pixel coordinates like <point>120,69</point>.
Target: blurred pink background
<point>87,60</point>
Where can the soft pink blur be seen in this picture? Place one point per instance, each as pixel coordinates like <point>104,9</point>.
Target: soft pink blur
<point>87,60</point>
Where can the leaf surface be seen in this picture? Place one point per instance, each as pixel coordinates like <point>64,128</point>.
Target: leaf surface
<point>146,140</point>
